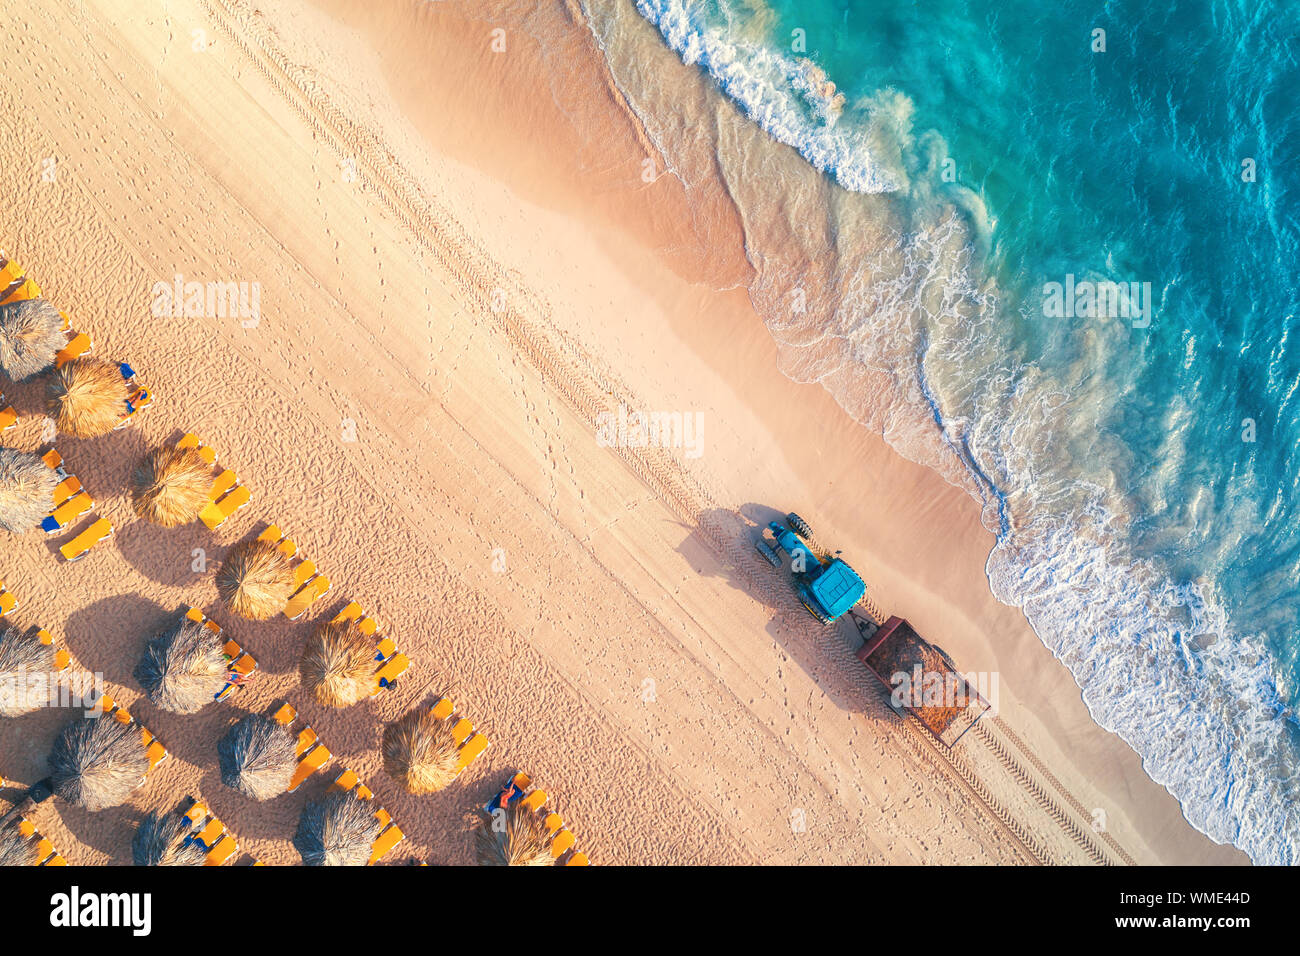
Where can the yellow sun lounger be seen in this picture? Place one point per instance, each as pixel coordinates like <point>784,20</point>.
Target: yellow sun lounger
<point>78,345</point>
<point>192,441</point>
<point>8,417</point>
<point>216,513</point>
<point>80,546</point>
<point>211,835</point>
<point>391,835</point>
<point>7,601</point>
<point>70,511</point>
<point>312,754</point>
<point>15,286</point>
<point>311,592</point>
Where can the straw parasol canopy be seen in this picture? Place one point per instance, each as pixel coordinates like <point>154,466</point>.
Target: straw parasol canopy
<point>26,490</point>
<point>183,668</point>
<point>170,486</point>
<point>258,757</point>
<point>16,849</point>
<point>87,397</point>
<point>337,830</point>
<point>255,580</point>
<point>31,334</point>
<point>26,669</point>
<point>338,664</point>
<point>97,761</point>
<point>513,836</point>
<point>163,839</point>
<point>420,751</point>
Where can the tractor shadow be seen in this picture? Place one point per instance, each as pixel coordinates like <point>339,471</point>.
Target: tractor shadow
<point>722,546</point>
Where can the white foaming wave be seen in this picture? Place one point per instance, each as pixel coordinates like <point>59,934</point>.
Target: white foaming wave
<point>1159,663</point>
<point>776,92</point>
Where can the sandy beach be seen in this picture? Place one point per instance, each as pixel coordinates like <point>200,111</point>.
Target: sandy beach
<point>462,265</point>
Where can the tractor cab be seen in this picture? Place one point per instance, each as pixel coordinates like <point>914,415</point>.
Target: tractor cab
<point>827,586</point>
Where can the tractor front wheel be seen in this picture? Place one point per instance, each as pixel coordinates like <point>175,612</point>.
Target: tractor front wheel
<point>766,551</point>
<point>800,527</point>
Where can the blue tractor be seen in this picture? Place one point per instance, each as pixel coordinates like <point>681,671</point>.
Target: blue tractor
<point>827,586</point>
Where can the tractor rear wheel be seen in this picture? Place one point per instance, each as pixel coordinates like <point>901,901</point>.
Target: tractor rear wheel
<point>800,527</point>
<point>765,549</point>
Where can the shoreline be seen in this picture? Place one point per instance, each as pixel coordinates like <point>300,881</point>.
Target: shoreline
<point>969,623</point>
<point>608,585</point>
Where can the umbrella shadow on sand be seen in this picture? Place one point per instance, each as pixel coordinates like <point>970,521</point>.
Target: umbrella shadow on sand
<point>175,557</point>
<point>722,546</point>
<point>124,624</point>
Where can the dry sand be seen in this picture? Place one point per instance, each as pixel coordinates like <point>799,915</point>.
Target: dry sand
<point>493,276</point>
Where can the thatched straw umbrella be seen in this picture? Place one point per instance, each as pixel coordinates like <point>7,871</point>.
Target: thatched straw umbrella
<point>16,849</point>
<point>87,397</point>
<point>338,664</point>
<point>513,836</point>
<point>31,334</point>
<point>97,761</point>
<point>163,839</point>
<point>420,751</point>
<point>183,668</point>
<point>337,830</point>
<point>26,490</point>
<point>258,757</point>
<point>255,580</point>
<point>170,486</point>
<point>26,672</point>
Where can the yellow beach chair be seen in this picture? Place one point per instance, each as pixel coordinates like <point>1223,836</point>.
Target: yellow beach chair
<point>15,286</point>
<point>46,855</point>
<point>78,345</point>
<point>61,657</point>
<point>80,546</point>
<point>216,513</point>
<point>8,417</point>
<point>192,441</point>
<point>7,601</point>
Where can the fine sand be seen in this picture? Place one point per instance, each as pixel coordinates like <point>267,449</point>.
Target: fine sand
<point>460,266</point>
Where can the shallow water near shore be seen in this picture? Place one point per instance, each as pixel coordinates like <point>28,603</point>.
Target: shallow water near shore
<point>910,182</point>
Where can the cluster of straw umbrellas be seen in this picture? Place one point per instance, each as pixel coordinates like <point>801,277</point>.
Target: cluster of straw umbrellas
<point>87,396</point>
<point>97,763</point>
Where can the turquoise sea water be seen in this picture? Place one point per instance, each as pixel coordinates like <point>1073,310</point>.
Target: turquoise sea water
<point>1143,478</point>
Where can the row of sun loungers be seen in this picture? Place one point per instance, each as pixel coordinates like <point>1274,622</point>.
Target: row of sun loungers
<point>391,835</point>
<point>209,833</point>
<point>228,496</point>
<point>110,710</point>
<point>242,664</point>
<point>309,585</point>
<point>71,504</point>
<point>391,663</point>
<point>520,787</point>
<point>46,855</point>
